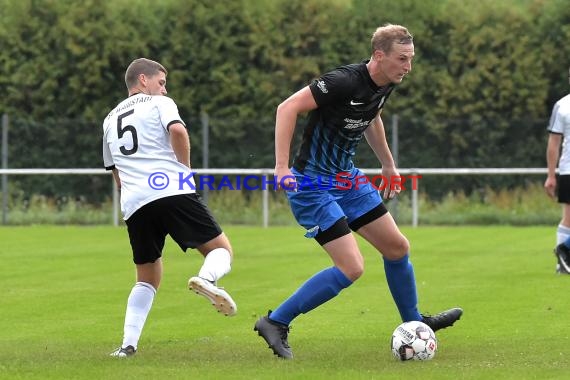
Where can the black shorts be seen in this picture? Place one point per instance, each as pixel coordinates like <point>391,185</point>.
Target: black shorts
<point>184,217</point>
<point>563,188</point>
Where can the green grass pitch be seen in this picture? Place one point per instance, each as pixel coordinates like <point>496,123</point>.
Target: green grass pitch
<point>64,289</point>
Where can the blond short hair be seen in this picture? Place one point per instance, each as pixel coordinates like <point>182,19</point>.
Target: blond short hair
<point>387,35</point>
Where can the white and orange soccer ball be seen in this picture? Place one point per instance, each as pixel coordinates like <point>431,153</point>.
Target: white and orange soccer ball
<point>413,341</point>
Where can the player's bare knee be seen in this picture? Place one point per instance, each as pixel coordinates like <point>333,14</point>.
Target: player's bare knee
<point>220,241</point>
<point>403,246</point>
<point>354,272</point>
<point>357,273</point>
<point>398,249</point>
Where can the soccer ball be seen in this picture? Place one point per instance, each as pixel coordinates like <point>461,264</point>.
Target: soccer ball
<point>413,340</point>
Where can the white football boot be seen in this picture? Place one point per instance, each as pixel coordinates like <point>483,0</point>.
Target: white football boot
<point>218,297</point>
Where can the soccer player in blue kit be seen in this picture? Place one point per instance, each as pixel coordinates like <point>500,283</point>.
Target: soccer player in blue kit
<point>345,105</point>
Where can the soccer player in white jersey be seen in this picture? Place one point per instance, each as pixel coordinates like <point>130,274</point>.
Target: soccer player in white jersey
<point>559,134</point>
<point>146,145</point>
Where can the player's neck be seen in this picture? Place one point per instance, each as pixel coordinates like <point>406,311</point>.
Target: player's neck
<point>137,90</point>
<point>376,73</point>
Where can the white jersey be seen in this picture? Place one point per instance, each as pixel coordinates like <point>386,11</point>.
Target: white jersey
<point>136,142</point>
<point>560,123</point>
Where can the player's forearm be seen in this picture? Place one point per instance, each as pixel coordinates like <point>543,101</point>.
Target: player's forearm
<point>552,154</point>
<point>551,161</point>
<point>376,137</point>
<point>182,151</point>
<point>384,154</point>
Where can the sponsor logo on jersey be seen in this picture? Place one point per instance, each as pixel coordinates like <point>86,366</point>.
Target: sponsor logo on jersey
<point>132,102</point>
<point>322,86</point>
<point>354,124</point>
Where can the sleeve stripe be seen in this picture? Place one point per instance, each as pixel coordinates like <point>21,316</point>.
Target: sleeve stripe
<point>174,122</point>
<point>110,167</point>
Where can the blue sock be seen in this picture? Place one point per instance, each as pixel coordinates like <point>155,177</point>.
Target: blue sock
<point>402,284</point>
<point>320,288</point>
<point>567,242</point>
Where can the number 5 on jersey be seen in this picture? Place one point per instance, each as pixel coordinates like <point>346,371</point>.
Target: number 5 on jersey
<point>127,128</point>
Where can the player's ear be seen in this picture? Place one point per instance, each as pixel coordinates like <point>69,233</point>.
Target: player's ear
<point>378,55</point>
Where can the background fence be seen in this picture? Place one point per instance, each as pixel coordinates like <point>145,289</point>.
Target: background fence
<point>412,191</point>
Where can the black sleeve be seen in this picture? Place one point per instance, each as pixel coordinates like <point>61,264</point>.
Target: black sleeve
<point>332,87</point>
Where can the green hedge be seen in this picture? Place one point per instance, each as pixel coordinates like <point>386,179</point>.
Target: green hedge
<point>485,77</point>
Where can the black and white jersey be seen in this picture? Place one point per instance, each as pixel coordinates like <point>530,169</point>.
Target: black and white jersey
<point>348,100</point>
<point>560,124</point>
<point>136,142</point>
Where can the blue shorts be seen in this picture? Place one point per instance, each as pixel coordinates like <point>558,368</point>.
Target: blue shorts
<point>319,202</point>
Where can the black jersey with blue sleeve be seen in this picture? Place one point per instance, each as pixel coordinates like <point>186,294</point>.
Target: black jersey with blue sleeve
<point>348,100</point>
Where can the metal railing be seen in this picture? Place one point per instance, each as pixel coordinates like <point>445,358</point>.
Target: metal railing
<point>269,172</point>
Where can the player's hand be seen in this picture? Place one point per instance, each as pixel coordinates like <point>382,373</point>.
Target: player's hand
<point>550,186</point>
<point>393,185</point>
<point>285,179</point>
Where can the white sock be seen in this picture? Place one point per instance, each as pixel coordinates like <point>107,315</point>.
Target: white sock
<point>562,234</point>
<point>216,265</point>
<point>138,307</point>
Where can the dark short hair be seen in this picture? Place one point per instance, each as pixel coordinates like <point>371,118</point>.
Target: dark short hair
<point>144,66</point>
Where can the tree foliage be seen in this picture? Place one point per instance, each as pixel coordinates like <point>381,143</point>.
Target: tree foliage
<point>483,83</point>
